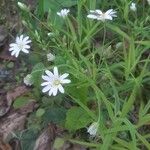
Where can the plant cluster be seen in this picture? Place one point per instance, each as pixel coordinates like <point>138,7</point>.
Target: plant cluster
<point>101,50</point>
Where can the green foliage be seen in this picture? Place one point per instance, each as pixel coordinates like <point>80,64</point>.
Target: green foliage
<point>36,73</point>
<point>82,93</point>
<point>107,83</point>
<point>40,112</point>
<point>54,115</point>
<point>56,5</point>
<point>59,142</point>
<point>21,101</point>
<point>77,118</point>
<point>28,139</point>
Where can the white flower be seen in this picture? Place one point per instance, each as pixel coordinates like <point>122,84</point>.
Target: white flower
<point>50,57</point>
<point>54,81</point>
<point>28,80</point>
<point>133,6</point>
<point>50,34</point>
<point>148,2</point>
<point>23,6</point>
<point>93,128</point>
<point>63,13</point>
<point>21,44</point>
<point>119,45</point>
<point>99,15</point>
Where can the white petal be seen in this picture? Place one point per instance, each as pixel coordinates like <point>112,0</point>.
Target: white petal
<point>92,11</point>
<point>17,39</point>
<point>98,11</point>
<point>50,92</point>
<point>26,38</point>
<point>50,74</point>
<point>65,81</point>
<point>17,53</point>
<point>61,89</point>
<point>56,71</point>
<point>12,44</point>
<point>47,78</point>
<point>45,89</point>
<point>108,17</point>
<point>25,51</point>
<point>26,46</point>
<point>92,16</point>
<point>21,38</point>
<point>11,49</point>
<point>65,75</point>
<point>58,13</point>
<point>55,91</point>
<point>27,42</point>
<point>101,18</point>
<point>13,52</point>
<point>45,83</point>
<point>109,11</point>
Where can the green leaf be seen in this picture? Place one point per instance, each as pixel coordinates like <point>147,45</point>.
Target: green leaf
<point>36,73</point>
<point>40,112</point>
<point>55,115</point>
<point>55,5</point>
<point>59,142</point>
<point>20,102</point>
<point>28,139</point>
<point>119,31</point>
<point>146,43</point>
<point>34,59</point>
<point>77,118</point>
<point>82,93</point>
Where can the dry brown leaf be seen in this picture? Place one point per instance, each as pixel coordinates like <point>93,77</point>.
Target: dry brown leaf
<point>45,140</point>
<point>7,57</point>
<point>3,35</point>
<point>6,102</point>
<point>15,120</point>
<point>4,146</point>
<point>17,92</point>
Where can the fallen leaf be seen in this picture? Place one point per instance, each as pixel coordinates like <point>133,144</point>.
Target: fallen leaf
<point>6,57</point>
<point>15,120</point>
<point>44,141</point>
<point>17,92</point>
<point>3,35</point>
<point>4,146</point>
<point>6,102</point>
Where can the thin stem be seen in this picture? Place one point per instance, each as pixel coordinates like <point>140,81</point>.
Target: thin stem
<point>83,143</point>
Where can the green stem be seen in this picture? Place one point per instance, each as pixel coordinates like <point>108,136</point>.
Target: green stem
<point>83,143</point>
<point>89,112</point>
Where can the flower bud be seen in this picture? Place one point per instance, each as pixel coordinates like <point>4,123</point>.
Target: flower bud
<point>93,128</point>
<point>23,7</point>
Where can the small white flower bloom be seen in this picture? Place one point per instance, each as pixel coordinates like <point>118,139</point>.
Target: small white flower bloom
<point>23,6</point>
<point>50,34</point>
<point>93,128</point>
<point>53,82</point>
<point>99,15</point>
<point>133,6</point>
<point>119,45</point>
<point>50,57</point>
<point>148,2</point>
<point>63,13</point>
<point>28,80</point>
<point>21,44</point>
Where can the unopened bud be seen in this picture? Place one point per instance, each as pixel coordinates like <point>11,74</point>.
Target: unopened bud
<point>23,7</point>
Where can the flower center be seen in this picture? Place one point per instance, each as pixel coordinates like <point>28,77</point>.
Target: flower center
<point>103,15</point>
<point>20,45</point>
<point>56,82</point>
